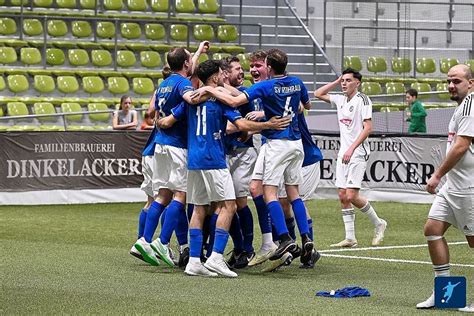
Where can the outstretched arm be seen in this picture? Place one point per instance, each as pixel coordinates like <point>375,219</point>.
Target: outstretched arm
<point>275,123</point>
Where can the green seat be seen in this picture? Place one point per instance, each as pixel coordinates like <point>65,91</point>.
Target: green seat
<point>443,87</point>
<point>32,27</point>
<point>44,108</point>
<point>43,3</point>
<point>88,4</point>
<point>57,28</point>
<point>376,64</point>
<point>219,56</point>
<point>137,5</point>
<point>425,65</point>
<point>92,84</point>
<point>118,85</point>
<point>71,108</point>
<point>105,29</point>
<point>353,62</point>
<point>150,59</point>
<point>98,117</point>
<point>203,32</point>
<point>30,56</point>
<point>470,62</point>
<point>203,57</point>
<point>66,4</point>
<point>130,30</point>
<point>179,32</point>
<point>17,83</point>
<point>115,5</point>
<point>446,63</point>
<point>395,88</point>
<point>17,109</point>
<point>101,57</point>
<point>185,6</point>
<point>247,83</point>
<point>3,85</point>
<point>227,33</point>
<point>55,57</point>
<point>81,29</point>
<point>401,65</point>
<point>159,5</point>
<point>44,83</point>
<point>421,87</point>
<point>154,31</point>
<point>371,88</point>
<point>126,58</point>
<point>143,86</point>
<point>208,6</point>
<point>78,57</point>
<point>7,55</point>
<point>67,84</point>
<point>7,26</point>
<point>244,61</point>
<point>17,3</point>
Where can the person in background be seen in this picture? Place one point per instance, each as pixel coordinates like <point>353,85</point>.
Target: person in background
<point>416,113</point>
<point>147,122</point>
<point>125,118</point>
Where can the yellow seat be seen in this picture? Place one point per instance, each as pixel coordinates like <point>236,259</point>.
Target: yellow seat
<point>421,87</point>
<point>371,88</point>
<point>353,62</point>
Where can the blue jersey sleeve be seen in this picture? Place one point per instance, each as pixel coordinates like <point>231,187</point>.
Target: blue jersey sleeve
<point>179,111</point>
<point>184,86</point>
<point>231,114</point>
<point>258,90</point>
<point>304,94</point>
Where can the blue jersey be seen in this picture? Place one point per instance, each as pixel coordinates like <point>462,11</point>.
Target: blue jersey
<point>207,123</point>
<point>231,141</point>
<point>312,154</point>
<point>280,97</point>
<point>168,95</point>
<point>149,149</point>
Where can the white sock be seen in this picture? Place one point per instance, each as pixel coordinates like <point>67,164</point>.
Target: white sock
<point>348,217</point>
<point>441,270</point>
<point>267,241</point>
<point>194,260</point>
<point>370,212</point>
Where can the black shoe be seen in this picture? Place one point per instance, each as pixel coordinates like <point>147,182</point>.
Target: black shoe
<point>284,247</point>
<point>243,260</point>
<point>296,253</point>
<point>183,258</point>
<point>234,257</point>
<point>307,249</point>
<point>315,256</point>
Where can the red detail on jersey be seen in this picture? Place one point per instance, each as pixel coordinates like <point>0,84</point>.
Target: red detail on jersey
<point>346,121</point>
<point>451,137</point>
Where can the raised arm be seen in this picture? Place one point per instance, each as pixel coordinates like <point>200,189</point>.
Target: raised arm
<point>323,92</point>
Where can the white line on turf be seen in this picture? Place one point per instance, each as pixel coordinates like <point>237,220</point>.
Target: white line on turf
<point>386,247</point>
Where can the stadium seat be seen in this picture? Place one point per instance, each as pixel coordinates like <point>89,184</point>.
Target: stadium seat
<point>446,63</point>
<point>371,88</point>
<point>184,6</point>
<point>247,83</point>
<point>118,85</point>
<point>44,108</point>
<point>44,83</point>
<point>150,59</point>
<point>159,5</point>
<point>55,57</point>
<point>179,32</point>
<point>470,62</point>
<point>130,30</point>
<point>115,5</point>
<point>88,4</point>
<point>30,56</point>
<point>67,84</point>
<point>57,28</point>
<point>425,65</point>
<point>92,84</point>
<point>7,26</point>
<point>17,109</point>
<point>126,58</point>
<point>43,3</point>
<point>154,31</point>
<point>421,87</point>
<point>376,64</point>
<point>401,65</point>
<point>442,87</point>
<point>105,29</point>
<point>78,57</point>
<point>32,27</point>
<point>203,58</point>
<point>227,33</point>
<point>203,32</point>
<point>219,56</point>
<point>17,3</point>
<point>394,87</point>
<point>244,61</point>
<point>66,4</point>
<point>101,58</point>
<point>3,85</point>
<point>7,55</point>
<point>137,5</point>
<point>81,29</point>
<point>352,62</point>
<point>208,6</point>
<point>143,86</point>
<point>71,108</point>
<point>100,117</point>
<point>17,83</point>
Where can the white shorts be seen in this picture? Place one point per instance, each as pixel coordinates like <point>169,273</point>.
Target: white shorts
<point>206,186</point>
<point>282,159</point>
<point>350,175</point>
<point>147,171</point>
<point>258,167</point>
<point>456,208</point>
<point>171,169</point>
<point>311,175</point>
<point>241,162</point>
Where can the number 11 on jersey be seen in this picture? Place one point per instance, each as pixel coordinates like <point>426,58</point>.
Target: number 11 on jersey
<point>201,120</point>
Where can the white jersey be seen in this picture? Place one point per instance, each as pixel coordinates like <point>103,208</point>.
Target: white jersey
<point>461,176</point>
<point>351,116</point>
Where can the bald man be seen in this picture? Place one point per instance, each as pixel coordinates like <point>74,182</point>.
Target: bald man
<point>453,202</point>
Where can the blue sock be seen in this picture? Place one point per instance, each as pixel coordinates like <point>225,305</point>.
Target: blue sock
<point>195,242</point>
<point>182,229</point>
<point>141,223</point>
<point>212,234</point>
<point>221,240</point>
<point>290,224</point>
<point>152,218</point>
<point>274,234</point>
<point>236,234</point>
<point>278,219</point>
<point>300,214</point>
<point>310,227</point>
<point>190,211</point>
<point>162,218</point>
<point>263,215</point>
<point>246,224</point>
<point>171,221</point>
